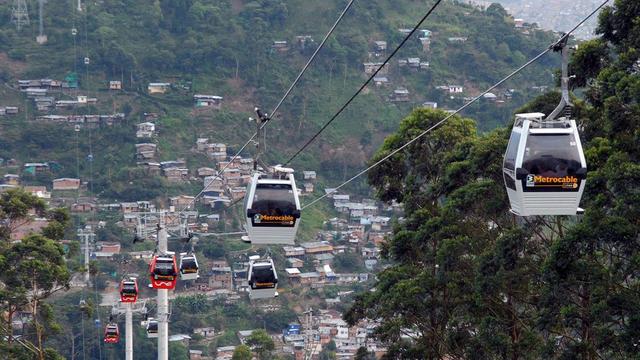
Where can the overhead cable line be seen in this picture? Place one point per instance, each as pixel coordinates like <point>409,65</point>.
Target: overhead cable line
<point>346,104</point>
<point>439,123</point>
<point>284,97</point>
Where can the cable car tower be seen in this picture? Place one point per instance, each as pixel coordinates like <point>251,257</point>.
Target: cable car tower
<point>20,14</point>
<point>128,309</point>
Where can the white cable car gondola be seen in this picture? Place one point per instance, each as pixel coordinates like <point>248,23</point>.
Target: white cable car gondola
<point>273,208</point>
<point>188,267</point>
<point>544,166</point>
<point>152,328</point>
<point>262,279</point>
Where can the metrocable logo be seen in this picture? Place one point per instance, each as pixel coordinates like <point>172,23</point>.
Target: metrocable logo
<point>259,218</point>
<point>564,182</point>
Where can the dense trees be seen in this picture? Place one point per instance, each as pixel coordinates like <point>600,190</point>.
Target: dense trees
<point>471,281</point>
<point>31,270</point>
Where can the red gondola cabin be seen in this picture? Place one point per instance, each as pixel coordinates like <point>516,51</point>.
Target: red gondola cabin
<point>163,272</point>
<point>129,291</point>
<point>111,334</point>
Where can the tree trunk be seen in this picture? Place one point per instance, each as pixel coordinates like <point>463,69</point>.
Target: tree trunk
<point>36,324</point>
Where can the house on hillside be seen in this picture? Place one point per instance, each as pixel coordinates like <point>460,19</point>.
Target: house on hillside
<point>221,276</point>
<point>145,130</point>
<point>32,226</point>
<point>66,184</point>
<point>430,104</point>
<point>237,193</point>
<point>201,144</point>
<point>129,207</point>
<point>371,67</point>
<point>491,97</point>
<point>293,251</point>
<point>400,94</point>
<point>209,101</point>
<point>380,80</point>
<point>151,168</point>
<point>36,168</point>
<point>518,23</point>
<point>379,46</point>
<point>318,247</point>
<point>280,46</point>
<point>11,179</point>
<point>83,207</point>
<point>158,87</point>
<point>413,63</point>
<point>304,41</point>
<point>145,151</point>
<point>176,174</point>
<point>38,191</point>
<point>115,85</point>
<point>181,201</point>
<point>206,171</point>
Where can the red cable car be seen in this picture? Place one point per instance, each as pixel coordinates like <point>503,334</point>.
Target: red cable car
<point>163,272</point>
<point>129,291</point>
<point>111,334</point>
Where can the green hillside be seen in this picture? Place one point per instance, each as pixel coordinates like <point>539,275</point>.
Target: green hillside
<point>200,46</point>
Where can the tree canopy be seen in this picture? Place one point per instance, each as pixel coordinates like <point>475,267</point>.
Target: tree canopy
<point>472,281</point>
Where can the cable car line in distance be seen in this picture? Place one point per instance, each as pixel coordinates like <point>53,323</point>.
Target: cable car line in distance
<point>348,102</point>
<point>284,97</point>
<point>439,123</point>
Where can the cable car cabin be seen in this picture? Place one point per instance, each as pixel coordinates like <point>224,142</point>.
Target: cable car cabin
<point>152,328</point>
<point>163,272</point>
<point>188,267</point>
<point>262,279</point>
<point>544,167</point>
<point>111,334</point>
<point>129,291</point>
<point>273,210</point>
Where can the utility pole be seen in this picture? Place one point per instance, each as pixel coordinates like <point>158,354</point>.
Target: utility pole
<point>41,38</point>
<point>163,297</point>
<point>19,13</point>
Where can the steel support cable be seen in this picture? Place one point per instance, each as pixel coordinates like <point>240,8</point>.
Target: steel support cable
<point>439,123</point>
<point>284,97</point>
<point>348,102</point>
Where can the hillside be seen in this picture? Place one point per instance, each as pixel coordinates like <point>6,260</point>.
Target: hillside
<point>436,267</point>
<point>225,48</point>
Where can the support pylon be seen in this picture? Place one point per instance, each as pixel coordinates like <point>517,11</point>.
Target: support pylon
<point>41,38</point>
<point>19,13</point>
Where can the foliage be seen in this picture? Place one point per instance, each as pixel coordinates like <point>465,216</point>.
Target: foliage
<point>178,351</point>
<point>468,280</point>
<point>347,262</point>
<point>31,270</point>
<point>242,352</point>
<point>261,343</point>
